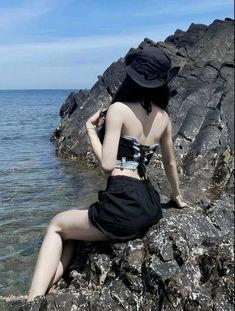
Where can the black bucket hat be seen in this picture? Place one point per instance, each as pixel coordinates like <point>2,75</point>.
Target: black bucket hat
<point>150,67</point>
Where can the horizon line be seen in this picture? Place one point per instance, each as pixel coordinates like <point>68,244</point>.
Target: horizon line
<point>45,89</point>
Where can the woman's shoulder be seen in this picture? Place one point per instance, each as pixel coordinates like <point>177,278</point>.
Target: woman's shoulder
<point>118,106</point>
<point>166,115</point>
<point>116,111</point>
<point>162,113</point>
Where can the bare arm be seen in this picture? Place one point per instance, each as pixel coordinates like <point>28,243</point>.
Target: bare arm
<point>169,164</point>
<point>113,127</point>
<point>91,125</point>
<point>168,159</point>
<point>106,153</point>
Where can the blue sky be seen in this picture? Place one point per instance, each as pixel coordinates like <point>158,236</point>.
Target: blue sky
<point>67,43</point>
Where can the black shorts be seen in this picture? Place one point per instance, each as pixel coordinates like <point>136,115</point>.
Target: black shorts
<point>126,208</point>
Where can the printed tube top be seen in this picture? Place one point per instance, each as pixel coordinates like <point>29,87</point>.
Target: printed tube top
<point>132,154</point>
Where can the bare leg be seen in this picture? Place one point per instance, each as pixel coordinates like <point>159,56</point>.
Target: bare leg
<point>69,247</point>
<point>72,224</point>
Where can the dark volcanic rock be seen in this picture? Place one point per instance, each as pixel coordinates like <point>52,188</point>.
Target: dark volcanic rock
<point>183,263</point>
<point>201,110</point>
<point>73,101</point>
<point>186,262</point>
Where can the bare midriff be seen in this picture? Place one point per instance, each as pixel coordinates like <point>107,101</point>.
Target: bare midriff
<point>127,172</point>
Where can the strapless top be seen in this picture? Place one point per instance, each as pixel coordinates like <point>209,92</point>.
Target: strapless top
<point>131,154</point>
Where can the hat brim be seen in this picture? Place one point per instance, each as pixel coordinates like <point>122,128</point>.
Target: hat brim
<point>140,79</point>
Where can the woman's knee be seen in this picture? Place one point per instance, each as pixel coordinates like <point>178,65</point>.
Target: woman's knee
<point>56,223</point>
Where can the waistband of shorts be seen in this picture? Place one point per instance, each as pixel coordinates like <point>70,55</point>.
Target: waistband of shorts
<point>126,178</point>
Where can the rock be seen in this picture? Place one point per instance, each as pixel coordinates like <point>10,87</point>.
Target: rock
<point>186,261</point>
<point>221,214</point>
<point>200,110</point>
<point>73,101</point>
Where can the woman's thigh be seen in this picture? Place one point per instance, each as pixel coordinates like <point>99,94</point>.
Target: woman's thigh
<point>75,225</point>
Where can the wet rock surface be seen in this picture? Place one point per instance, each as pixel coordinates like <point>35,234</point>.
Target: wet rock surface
<point>186,261</point>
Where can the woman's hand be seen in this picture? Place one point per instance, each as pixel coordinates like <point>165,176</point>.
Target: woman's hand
<point>97,119</point>
<point>179,201</point>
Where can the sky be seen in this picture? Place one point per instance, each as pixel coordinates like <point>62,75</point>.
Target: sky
<point>66,44</point>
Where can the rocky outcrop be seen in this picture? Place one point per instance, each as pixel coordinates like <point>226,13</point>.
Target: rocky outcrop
<point>185,262</point>
<point>201,109</point>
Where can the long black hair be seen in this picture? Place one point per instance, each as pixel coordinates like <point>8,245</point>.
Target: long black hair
<point>130,91</point>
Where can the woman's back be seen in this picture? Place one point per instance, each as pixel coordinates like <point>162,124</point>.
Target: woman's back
<point>147,129</point>
<point>128,207</point>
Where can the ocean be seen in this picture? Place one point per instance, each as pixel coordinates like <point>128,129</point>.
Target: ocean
<point>35,185</point>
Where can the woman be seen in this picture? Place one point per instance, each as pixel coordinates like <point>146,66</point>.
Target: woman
<point>135,124</point>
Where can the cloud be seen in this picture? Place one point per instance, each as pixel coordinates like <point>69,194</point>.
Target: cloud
<point>132,36</point>
<point>27,11</point>
<point>65,63</point>
<point>11,16</point>
<point>68,62</point>
<point>27,51</point>
<point>53,48</point>
<point>180,7</point>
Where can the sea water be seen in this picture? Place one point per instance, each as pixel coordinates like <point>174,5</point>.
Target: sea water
<point>35,185</point>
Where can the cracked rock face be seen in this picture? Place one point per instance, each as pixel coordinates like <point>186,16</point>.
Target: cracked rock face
<point>201,110</point>
<point>185,262</point>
